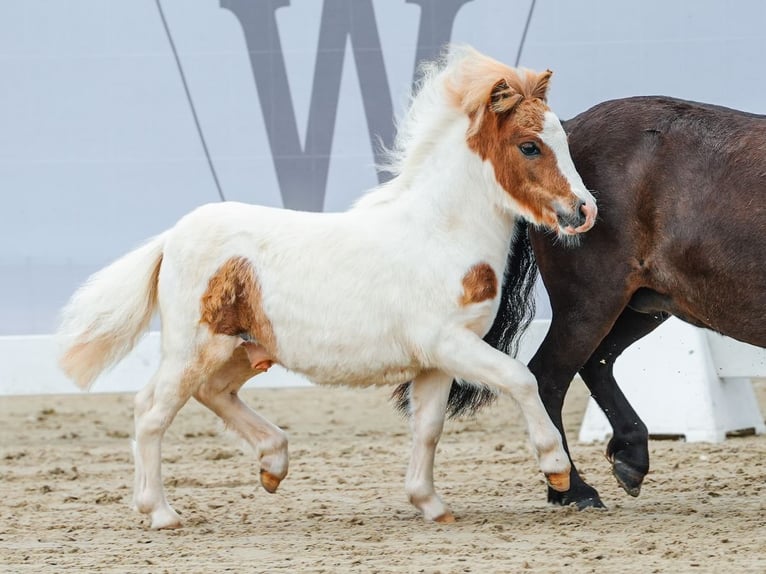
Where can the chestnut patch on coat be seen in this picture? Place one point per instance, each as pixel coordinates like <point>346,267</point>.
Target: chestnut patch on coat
<point>506,107</point>
<point>232,304</point>
<point>479,284</point>
<point>536,185</point>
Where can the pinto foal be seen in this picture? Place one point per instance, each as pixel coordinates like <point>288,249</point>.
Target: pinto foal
<point>241,287</point>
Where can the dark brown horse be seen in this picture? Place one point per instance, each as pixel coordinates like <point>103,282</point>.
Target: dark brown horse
<point>681,189</point>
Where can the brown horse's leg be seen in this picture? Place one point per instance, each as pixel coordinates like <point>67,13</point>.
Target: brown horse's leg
<point>576,330</point>
<point>554,376</point>
<point>628,449</point>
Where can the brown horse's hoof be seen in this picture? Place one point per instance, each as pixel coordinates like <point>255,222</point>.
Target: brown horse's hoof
<point>558,481</point>
<point>627,477</point>
<point>269,482</point>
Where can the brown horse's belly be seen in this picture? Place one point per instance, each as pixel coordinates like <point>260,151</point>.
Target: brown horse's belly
<point>741,323</point>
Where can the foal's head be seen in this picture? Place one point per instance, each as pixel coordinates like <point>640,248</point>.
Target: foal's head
<point>512,127</point>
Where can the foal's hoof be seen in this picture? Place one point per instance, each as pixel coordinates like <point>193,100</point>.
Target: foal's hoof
<point>627,477</point>
<point>558,481</point>
<point>171,525</point>
<point>269,482</point>
<point>446,518</point>
<point>165,520</point>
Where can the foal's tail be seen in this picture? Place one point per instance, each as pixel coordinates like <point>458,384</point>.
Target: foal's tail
<point>516,311</point>
<point>107,315</point>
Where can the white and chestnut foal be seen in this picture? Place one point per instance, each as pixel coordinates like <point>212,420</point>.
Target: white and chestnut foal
<point>401,287</point>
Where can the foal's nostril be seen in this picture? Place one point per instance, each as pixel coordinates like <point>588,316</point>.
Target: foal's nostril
<point>576,217</point>
<point>582,212</point>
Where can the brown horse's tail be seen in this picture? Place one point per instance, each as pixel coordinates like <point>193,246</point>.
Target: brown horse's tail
<point>516,311</point>
<point>109,313</point>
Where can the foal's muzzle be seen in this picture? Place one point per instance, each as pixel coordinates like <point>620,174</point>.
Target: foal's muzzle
<point>578,220</point>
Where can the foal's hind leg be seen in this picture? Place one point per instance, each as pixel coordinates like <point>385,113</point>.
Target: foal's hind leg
<point>428,402</point>
<point>219,394</point>
<point>155,408</point>
<point>141,404</point>
<point>463,354</point>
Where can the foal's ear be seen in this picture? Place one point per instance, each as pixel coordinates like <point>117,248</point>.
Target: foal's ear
<point>503,98</point>
<point>541,85</point>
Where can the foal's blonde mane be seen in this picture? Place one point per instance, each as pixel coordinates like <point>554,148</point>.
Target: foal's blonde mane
<point>461,83</point>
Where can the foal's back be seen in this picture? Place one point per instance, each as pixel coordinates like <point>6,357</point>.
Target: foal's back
<point>682,199</point>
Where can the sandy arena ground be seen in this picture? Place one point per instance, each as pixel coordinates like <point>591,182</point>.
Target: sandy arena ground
<point>67,477</point>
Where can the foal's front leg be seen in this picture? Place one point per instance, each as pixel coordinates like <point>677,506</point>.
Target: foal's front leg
<point>463,354</point>
<point>428,402</point>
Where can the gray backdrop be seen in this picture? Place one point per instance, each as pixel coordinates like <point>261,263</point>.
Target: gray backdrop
<point>109,109</point>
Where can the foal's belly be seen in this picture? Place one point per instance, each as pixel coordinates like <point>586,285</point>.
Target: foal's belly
<point>358,376</point>
<point>361,360</point>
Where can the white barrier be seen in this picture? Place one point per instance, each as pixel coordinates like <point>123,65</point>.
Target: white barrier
<point>685,381</point>
<point>681,380</point>
<point>28,366</point>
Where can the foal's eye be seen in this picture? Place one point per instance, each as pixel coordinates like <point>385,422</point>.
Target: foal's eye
<point>529,148</point>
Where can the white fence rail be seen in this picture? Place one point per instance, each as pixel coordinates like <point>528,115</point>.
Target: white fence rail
<point>28,367</point>
<point>681,380</point>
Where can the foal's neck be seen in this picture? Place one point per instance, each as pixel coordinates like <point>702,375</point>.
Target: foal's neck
<point>457,193</point>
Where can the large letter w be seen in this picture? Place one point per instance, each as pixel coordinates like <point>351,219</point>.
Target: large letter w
<point>302,172</point>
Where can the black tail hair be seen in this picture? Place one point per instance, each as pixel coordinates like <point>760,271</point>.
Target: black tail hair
<point>517,309</point>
